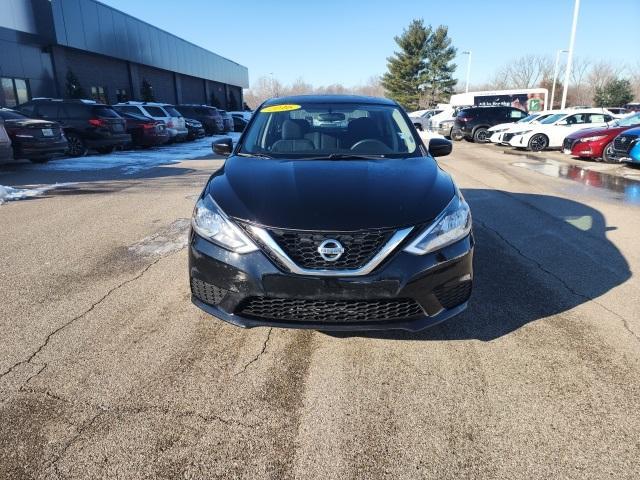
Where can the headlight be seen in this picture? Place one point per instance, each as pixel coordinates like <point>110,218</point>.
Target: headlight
<point>453,224</point>
<point>594,138</point>
<point>445,124</point>
<point>210,222</point>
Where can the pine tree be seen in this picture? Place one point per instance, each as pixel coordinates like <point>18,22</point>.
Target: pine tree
<point>146,91</point>
<point>438,82</point>
<point>73,88</point>
<point>615,93</point>
<point>404,78</point>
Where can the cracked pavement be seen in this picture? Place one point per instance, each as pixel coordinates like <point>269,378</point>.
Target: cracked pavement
<point>108,371</point>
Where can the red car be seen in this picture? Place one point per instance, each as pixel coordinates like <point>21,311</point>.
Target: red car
<point>597,142</point>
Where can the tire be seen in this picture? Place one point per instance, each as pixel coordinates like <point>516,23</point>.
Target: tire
<point>76,147</point>
<point>456,135</point>
<point>607,154</point>
<point>481,135</point>
<point>105,150</point>
<point>538,142</point>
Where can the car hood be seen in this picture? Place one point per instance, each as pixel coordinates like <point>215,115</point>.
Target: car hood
<point>589,132</point>
<point>339,195</point>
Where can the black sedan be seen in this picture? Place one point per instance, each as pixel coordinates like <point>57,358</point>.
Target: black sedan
<point>145,131</point>
<point>34,139</point>
<point>330,213</point>
<point>194,128</point>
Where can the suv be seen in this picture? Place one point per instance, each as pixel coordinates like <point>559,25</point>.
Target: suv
<point>473,123</point>
<point>209,117</point>
<point>164,112</point>
<point>85,123</point>
<point>331,214</point>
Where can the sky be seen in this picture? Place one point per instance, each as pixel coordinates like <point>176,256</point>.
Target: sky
<point>348,41</point>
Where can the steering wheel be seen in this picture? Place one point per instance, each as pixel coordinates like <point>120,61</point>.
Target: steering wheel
<point>370,145</point>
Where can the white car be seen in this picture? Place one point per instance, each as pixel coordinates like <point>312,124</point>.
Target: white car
<point>420,118</point>
<point>503,132</point>
<point>163,112</point>
<point>551,131</point>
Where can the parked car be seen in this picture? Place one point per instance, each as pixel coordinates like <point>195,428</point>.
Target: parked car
<point>634,107</point>
<point>209,117</point>
<point>284,237</point>
<point>624,144</point>
<point>158,111</point>
<point>6,152</point>
<point>551,132</point>
<point>194,128</point>
<point>618,111</point>
<point>227,120</point>
<point>34,139</point>
<point>473,123</point>
<point>420,118</point>
<point>246,114</point>
<point>503,132</point>
<point>86,124</point>
<point>145,131</point>
<point>597,142</point>
<point>634,154</point>
<point>239,123</point>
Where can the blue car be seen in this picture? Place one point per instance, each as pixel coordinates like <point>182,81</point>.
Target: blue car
<point>626,146</point>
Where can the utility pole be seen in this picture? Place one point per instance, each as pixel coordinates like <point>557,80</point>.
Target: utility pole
<point>555,78</point>
<point>567,74</point>
<point>468,52</point>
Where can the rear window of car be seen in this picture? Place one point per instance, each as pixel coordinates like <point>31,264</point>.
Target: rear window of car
<point>105,112</point>
<point>11,115</point>
<point>155,111</point>
<point>172,111</point>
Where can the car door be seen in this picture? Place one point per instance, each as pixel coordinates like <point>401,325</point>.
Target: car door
<point>567,125</point>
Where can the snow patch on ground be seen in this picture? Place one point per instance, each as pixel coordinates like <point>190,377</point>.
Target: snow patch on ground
<point>168,240</point>
<point>8,194</point>
<point>134,161</point>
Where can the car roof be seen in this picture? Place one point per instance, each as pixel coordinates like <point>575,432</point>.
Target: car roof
<point>329,99</point>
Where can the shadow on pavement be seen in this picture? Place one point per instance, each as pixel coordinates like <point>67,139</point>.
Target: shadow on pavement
<point>528,265</point>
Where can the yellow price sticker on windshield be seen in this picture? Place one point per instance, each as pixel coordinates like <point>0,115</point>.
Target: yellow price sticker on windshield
<point>280,108</point>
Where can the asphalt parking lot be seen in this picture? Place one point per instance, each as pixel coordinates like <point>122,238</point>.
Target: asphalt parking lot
<point>108,371</point>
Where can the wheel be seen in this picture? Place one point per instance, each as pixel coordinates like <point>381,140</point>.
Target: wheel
<point>76,146</point>
<point>607,154</point>
<point>39,160</point>
<point>481,135</point>
<point>105,149</point>
<point>538,142</point>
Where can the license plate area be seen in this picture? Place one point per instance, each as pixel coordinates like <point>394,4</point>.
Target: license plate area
<point>47,132</point>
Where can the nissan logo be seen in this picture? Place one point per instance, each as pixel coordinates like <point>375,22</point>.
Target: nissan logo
<point>330,250</point>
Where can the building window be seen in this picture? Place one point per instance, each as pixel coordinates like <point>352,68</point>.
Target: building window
<point>15,91</point>
<point>122,95</point>
<point>98,94</point>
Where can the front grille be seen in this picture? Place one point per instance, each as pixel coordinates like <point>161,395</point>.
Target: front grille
<point>207,292</point>
<point>359,247</point>
<point>507,136</point>
<point>568,143</point>
<point>623,143</point>
<point>330,311</point>
<point>450,297</point>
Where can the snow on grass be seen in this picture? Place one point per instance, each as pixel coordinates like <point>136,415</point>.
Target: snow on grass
<point>8,194</point>
<point>134,161</point>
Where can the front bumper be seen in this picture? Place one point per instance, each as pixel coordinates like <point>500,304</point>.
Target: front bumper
<point>586,149</point>
<point>439,283</point>
<point>519,141</point>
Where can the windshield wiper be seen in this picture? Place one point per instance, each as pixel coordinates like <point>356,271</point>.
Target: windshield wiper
<point>259,155</point>
<point>345,156</point>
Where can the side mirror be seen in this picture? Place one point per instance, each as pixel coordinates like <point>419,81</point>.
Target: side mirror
<point>222,146</point>
<point>440,147</point>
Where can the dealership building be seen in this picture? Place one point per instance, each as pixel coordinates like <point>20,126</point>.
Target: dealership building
<point>47,45</point>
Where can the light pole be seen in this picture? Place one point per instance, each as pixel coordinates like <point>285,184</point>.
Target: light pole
<point>468,52</point>
<point>274,86</point>
<point>555,78</point>
<point>567,73</point>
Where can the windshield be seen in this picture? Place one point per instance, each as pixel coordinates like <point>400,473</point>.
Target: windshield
<point>172,112</point>
<point>323,129</point>
<point>553,118</point>
<point>11,115</point>
<point>528,118</point>
<point>629,121</point>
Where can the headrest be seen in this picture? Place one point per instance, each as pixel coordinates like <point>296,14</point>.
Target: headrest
<point>291,130</point>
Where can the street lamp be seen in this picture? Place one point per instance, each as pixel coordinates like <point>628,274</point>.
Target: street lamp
<point>555,77</point>
<point>468,52</point>
<point>274,86</point>
<point>567,73</point>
